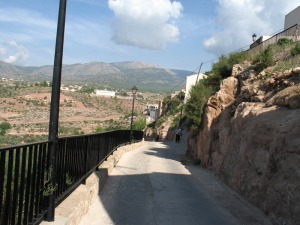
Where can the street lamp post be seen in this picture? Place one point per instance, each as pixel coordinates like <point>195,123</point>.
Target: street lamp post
<point>134,92</point>
<point>181,99</point>
<point>254,37</point>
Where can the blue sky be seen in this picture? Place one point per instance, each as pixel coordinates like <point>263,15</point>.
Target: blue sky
<point>173,34</point>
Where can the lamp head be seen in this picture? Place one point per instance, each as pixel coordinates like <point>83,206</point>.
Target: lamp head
<point>134,90</point>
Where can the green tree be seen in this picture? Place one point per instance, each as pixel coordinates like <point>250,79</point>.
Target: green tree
<point>171,105</point>
<point>87,89</point>
<point>199,95</point>
<point>223,68</point>
<point>139,124</point>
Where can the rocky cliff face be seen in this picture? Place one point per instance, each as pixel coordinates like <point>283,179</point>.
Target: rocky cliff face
<point>251,138</point>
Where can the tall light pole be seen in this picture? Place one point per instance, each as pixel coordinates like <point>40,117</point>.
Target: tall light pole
<point>54,108</point>
<point>134,92</point>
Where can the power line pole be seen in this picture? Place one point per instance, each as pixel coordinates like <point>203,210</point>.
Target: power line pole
<point>199,71</point>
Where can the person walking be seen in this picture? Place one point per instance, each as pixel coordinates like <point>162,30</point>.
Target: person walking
<point>178,134</point>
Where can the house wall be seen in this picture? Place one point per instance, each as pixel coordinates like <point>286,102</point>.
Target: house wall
<point>153,114</point>
<point>191,81</point>
<point>292,18</point>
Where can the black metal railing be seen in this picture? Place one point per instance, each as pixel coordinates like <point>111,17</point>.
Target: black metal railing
<point>25,172</point>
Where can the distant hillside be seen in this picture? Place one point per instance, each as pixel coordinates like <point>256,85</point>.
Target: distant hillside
<point>119,75</point>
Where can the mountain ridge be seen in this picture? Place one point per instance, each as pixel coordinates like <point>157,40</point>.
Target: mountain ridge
<point>117,74</point>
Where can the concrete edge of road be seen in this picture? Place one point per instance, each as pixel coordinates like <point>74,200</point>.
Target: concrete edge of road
<point>77,204</point>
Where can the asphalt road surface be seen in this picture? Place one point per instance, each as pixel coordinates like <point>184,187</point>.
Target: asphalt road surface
<point>154,185</point>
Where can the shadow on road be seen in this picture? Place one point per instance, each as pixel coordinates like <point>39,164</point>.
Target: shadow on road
<point>156,188</point>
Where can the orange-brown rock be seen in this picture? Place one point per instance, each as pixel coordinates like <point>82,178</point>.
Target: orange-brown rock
<point>250,137</point>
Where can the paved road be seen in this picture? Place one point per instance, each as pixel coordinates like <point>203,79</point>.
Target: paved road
<point>152,186</point>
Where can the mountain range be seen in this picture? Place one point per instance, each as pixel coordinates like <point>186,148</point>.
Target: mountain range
<point>145,76</point>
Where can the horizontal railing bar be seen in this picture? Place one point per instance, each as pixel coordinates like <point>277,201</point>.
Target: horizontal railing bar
<point>13,147</point>
<point>89,135</point>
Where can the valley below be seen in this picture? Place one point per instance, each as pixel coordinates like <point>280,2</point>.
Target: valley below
<point>27,111</point>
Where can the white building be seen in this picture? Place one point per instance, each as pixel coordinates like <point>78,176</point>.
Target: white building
<point>190,82</point>
<point>152,110</point>
<point>292,18</point>
<point>64,88</point>
<point>105,93</point>
<point>260,40</point>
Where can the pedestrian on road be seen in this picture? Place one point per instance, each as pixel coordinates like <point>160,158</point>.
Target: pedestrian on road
<point>178,134</point>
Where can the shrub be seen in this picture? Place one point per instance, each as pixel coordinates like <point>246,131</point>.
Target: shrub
<point>296,50</point>
<point>109,128</point>
<point>4,127</point>
<point>139,124</point>
<point>213,81</point>
<point>100,130</point>
<point>223,68</point>
<point>263,60</point>
<point>87,89</point>
<point>62,130</point>
<point>284,41</point>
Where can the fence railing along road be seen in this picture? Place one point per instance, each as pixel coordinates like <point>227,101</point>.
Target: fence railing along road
<point>291,33</point>
<point>25,172</point>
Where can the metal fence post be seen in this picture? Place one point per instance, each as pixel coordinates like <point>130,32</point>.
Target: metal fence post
<point>86,157</point>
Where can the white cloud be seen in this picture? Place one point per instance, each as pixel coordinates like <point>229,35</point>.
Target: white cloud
<point>145,23</point>
<point>12,52</point>
<point>239,19</point>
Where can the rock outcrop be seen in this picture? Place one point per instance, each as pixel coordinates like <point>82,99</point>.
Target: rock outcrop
<point>250,137</point>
